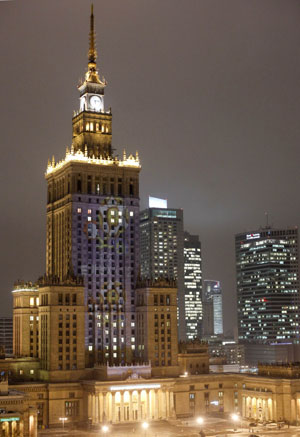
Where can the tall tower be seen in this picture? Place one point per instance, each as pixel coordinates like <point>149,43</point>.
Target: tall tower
<point>93,222</point>
<point>161,233</point>
<point>192,286</point>
<point>212,308</point>
<point>267,272</point>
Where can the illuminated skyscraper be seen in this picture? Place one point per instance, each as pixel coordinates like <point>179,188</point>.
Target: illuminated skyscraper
<point>192,286</point>
<point>93,222</point>
<point>212,308</point>
<point>268,286</point>
<point>161,248</point>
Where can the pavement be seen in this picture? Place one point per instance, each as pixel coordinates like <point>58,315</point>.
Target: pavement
<point>212,427</point>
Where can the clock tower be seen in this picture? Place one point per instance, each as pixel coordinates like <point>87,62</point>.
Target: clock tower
<point>93,223</point>
<point>92,124</point>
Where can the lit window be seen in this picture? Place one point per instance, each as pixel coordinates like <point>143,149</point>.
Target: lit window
<point>31,371</point>
<point>31,318</point>
<point>79,210</point>
<point>89,211</point>
<point>90,348</point>
<point>131,214</point>
<point>37,301</point>
<point>32,301</point>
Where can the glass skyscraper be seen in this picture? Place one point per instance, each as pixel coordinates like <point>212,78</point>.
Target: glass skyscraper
<point>161,249</point>
<point>268,286</point>
<point>212,308</point>
<point>192,286</point>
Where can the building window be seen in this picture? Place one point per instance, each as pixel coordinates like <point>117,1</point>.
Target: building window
<point>71,408</point>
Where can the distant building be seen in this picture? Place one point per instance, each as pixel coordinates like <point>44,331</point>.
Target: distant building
<point>192,286</point>
<point>226,351</point>
<point>212,308</point>
<point>268,285</point>
<point>6,334</point>
<point>161,248</point>
<point>267,291</point>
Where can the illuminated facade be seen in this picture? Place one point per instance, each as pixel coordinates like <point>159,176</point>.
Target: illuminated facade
<point>6,334</point>
<point>268,286</point>
<point>161,250</point>
<point>192,286</point>
<point>212,308</point>
<point>156,319</point>
<point>93,223</point>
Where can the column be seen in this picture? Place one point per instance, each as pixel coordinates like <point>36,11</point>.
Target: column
<point>172,408</point>
<point>139,406</point>
<point>100,407</point>
<point>156,406</point>
<point>89,406</point>
<point>96,408</point>
<point>130,406</point>
<point>167,404</point>
<point>93,408</point>
<point>113,407</point>
<point>163,404</point>
<point>105,412</point>
<point>122,407</point>
<point>148,405</point>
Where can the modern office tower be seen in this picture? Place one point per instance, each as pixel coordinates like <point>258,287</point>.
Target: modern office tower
<point>93,223</point>
<point>156,326</point>
<point>161,249</point>
<point>6,334</point>
<point>212,308</point>
<point>268,286</point>
<point>192,286</point>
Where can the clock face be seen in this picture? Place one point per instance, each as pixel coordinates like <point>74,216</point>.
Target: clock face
<point>96,103</point>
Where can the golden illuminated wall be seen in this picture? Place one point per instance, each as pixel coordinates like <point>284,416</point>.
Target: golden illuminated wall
<point>157,338</point>
<point>61,316</point>
<point>74,180</point>
<point>25,322</point>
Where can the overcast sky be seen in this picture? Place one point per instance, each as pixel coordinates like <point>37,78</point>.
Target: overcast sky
<point>206,90</point>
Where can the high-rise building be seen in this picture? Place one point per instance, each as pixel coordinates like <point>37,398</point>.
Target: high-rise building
<point>212,308</point>
<point>93,222</point>
<point>268,285</point>
<point>192,286</point>
<point>161,249</point>
<point>6,334</point>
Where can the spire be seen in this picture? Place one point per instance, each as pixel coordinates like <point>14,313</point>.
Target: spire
<point>92,73</point>
<point>92,55</point>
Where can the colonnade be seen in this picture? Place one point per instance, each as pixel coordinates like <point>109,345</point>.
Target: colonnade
<point>130,405</point>
<point>11,429</point>
<point>260,408</point>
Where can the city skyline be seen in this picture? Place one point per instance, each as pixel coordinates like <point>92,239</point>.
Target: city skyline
<point>216,221</point>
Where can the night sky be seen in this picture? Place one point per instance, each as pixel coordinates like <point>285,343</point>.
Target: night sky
<point>206,90</point>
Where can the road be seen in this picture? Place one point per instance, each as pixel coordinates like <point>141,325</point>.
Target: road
<point>212,427</point>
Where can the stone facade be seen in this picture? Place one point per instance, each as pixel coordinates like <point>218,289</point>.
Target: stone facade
<point>156,318</point>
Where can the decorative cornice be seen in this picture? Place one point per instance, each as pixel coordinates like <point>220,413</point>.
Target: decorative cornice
<point>80,157</point>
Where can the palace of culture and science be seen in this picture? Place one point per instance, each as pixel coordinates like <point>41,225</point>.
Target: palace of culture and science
<point>94,343</point>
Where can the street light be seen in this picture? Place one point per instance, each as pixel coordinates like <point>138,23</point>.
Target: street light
<point>105,429</point>
<point>63,420</point>
<point>235,419</point>
<point>145,426</point>
<point>200,420</point>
